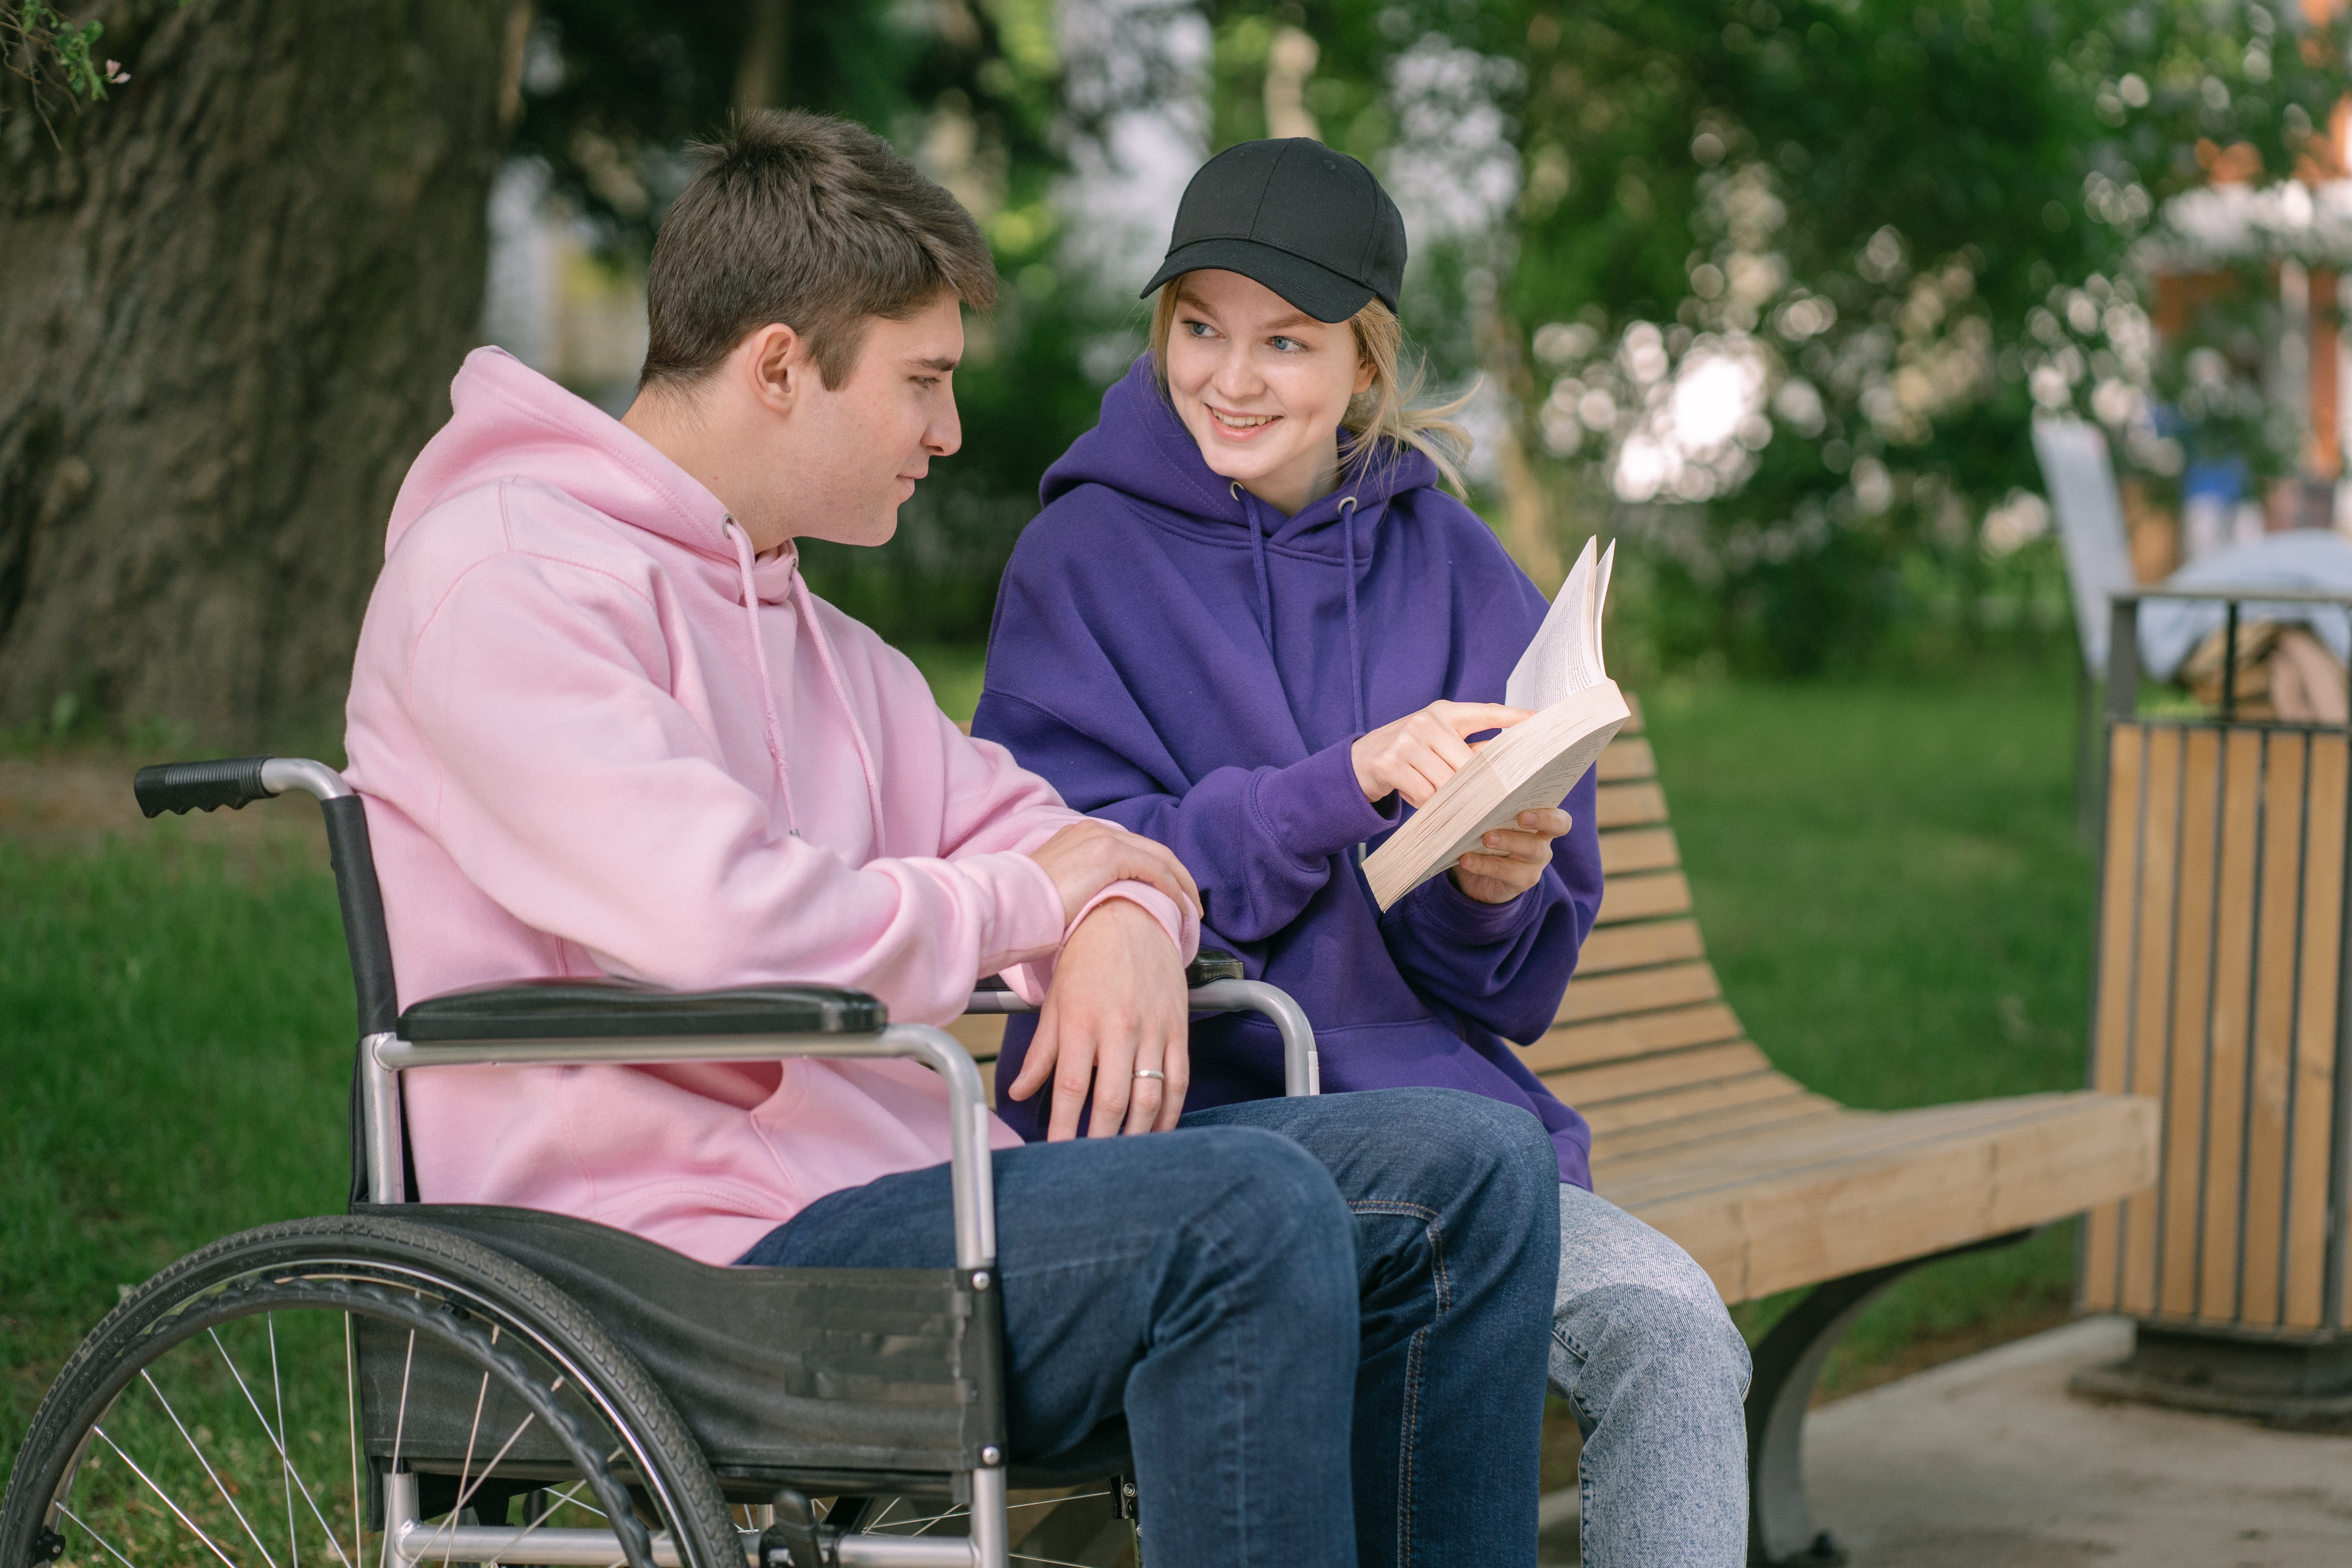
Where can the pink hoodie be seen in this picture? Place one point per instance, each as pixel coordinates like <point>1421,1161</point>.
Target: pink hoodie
<point>585,754</point>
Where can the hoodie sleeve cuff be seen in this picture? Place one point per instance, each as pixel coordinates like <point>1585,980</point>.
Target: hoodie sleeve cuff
<point>1314,809</point>
<point>1031,980</point>
<point>1444,909</point>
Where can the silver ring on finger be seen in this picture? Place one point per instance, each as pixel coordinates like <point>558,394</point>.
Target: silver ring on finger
<point>1154,1074</point>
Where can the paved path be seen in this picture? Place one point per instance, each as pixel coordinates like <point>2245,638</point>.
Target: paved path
<point>1988,1462</point>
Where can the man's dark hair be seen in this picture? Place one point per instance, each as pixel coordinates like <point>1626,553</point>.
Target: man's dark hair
<point>809,221</point>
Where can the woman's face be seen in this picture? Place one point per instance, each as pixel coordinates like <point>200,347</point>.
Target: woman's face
<point>1261,385</point>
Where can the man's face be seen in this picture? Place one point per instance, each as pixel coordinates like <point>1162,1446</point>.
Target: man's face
<point>858,448</point>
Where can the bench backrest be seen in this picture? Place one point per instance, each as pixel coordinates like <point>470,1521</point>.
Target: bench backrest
<point>1644,1045</point>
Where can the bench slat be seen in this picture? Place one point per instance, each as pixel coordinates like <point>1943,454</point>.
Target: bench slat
<point>981,1034</point>
<point>1777,1228</point>
<point>1736,1159</point>
<point>1638,946</point>
<point>1658,1074</point>
<point>1639,849</point>
<point>1644,991</point>
<point>1643,896</point>
<point>1628,805</point>
<point>1754,1116</point>
<point>1622,760</point>
<point>1651,1110</point>
<point>1587,1044</point>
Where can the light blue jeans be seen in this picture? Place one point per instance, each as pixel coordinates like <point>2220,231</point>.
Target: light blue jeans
<point>1640,1345</point>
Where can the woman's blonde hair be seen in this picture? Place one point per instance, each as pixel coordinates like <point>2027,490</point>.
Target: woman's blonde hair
<point>1383,412</point>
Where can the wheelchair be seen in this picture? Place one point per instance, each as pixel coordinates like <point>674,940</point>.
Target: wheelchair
<point>410,1383</point>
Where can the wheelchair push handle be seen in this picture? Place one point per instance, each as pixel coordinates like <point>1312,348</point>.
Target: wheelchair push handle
<point>233,781</point>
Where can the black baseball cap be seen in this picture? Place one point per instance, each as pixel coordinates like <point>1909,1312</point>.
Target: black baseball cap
<point>1310,223</point>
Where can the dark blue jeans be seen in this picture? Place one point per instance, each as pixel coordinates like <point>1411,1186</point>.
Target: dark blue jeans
<point>1326,1321</point>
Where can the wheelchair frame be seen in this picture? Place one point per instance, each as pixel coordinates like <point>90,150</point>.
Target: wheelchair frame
<point>380,1171</point>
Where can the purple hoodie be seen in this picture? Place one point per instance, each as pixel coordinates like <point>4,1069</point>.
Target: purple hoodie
<point>1178,657</point>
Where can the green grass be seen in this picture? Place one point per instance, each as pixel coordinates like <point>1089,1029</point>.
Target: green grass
<point>1885,869</point>
<point>176,1029</point>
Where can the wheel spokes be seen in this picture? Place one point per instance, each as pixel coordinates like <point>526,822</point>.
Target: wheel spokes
<point>165,1498</point>
<point>213,1476</point>
<point>286,1464</point>
<point>94,1536</point>
<point>277,1441</point>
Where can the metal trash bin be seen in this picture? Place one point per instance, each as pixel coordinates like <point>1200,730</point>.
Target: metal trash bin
<point>2222,947</point>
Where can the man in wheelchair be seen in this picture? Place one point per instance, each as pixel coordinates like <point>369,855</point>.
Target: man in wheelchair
<point>604,728</point>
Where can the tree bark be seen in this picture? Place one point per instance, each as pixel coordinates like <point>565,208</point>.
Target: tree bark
<point>230,305</point>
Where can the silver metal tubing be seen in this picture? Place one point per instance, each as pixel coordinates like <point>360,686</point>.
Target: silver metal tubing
<point>280,775</point>
<point>380,1104</point>
<point>988,1542</point>
<point>1302,1069</point>
<point>972,1180</point>
<point>1302,1066</point>
<point>414,1542</point>
<point>913,1551</point>
<point>998,1001</point>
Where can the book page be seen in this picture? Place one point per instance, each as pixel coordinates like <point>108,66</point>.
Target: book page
<point>1600,600</point>
<point>1557,663</point>
<point>1546,755</point>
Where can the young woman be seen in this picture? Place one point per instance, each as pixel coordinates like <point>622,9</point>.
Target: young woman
<point>1250,625</point>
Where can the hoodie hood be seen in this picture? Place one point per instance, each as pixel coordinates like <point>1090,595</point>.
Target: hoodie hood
<point>508,422</point>
<point>1141,449</point>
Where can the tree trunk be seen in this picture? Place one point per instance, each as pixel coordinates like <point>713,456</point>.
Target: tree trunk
<point>230,305</point>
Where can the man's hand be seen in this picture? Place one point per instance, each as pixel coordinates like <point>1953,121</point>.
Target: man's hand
<point>1414,756</point>
<point>1515,858</point>
<point>1087,856</point>
<point>1115,1007</point>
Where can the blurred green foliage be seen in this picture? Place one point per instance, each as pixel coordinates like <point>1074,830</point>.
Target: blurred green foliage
<point>1896,223</point>
<point>1782,285</point>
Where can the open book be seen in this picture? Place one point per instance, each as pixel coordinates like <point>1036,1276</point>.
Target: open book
<point>1578,709</point>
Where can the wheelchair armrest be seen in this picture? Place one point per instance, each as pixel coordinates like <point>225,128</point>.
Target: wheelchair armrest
<point>614,1009</point>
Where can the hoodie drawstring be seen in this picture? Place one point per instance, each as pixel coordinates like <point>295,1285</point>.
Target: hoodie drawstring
<point>807,611</point>
<point>1266,593</point>
<point>1257,557</point>
<point>1355,648</point>
<point>760,658</point>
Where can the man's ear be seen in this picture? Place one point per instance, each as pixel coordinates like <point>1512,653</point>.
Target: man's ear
<point>774,361</point>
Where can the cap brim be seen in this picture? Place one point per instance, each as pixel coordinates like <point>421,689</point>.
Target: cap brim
<point>1316,290</point>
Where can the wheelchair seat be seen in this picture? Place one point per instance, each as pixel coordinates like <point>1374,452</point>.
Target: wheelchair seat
<point>816,1378</point>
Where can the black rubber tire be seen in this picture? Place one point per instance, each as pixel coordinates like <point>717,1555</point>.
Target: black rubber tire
<point>386,1270</point>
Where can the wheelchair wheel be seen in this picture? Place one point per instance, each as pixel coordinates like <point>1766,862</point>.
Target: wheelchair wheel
<point>357,1393</point>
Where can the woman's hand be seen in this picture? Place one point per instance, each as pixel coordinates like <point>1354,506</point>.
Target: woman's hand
<point>1414,756</point>
<point>1515,858</point>
<point>1091,854</point>
<point>1117,1007</point>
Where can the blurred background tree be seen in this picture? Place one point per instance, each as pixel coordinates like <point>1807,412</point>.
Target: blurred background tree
<point>230,295</point>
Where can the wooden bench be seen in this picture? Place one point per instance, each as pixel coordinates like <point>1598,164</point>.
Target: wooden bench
<point>1769,1185</point>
